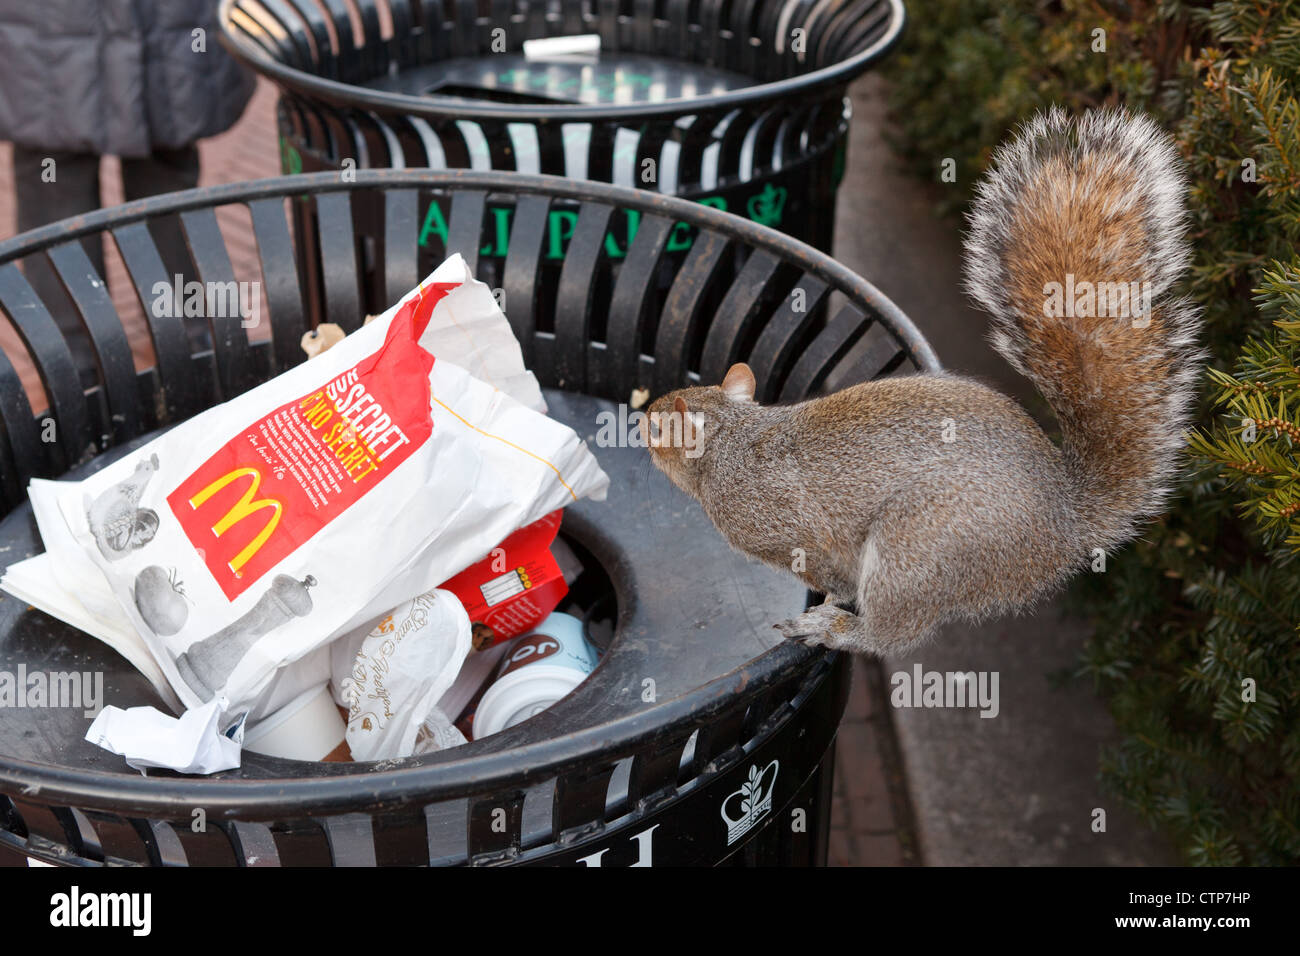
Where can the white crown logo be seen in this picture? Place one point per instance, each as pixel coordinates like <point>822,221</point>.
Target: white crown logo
<point>754,803</point>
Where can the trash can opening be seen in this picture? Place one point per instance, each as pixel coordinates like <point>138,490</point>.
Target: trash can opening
<point>507,683</point>
<point>607,77</point>
<point>538,630</point>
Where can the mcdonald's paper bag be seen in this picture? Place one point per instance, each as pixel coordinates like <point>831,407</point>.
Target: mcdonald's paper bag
<point>261,529</point>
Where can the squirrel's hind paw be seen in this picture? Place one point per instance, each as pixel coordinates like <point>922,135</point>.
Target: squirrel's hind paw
<point>828,626</point>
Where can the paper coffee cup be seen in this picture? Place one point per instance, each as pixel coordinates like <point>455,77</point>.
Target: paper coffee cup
<point>309,727</point>
<point>541,668</point>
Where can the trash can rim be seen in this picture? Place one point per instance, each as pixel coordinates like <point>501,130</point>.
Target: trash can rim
<point>919,350</point>
<point>347,94</point>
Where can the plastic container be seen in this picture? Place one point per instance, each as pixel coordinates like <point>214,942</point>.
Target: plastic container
<point>542,668</point>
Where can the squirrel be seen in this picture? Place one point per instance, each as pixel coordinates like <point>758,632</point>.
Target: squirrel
<point>927,498</point>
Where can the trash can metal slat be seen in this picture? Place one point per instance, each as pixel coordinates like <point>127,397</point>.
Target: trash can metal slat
<point>629,310</point>
<point>522,260</point>
<point>293,38</point>
<point>465,225</point>
<point>165,848</point>
<point>236,371</point>
<point>351,839</point>
<point>337,237</point>
<point>255,844</point>
<point>271,34</point>
<point>22,452</point>
<point>279,281</point>
<point>494,826</point>
<point>573,299</point>
<point>401,222</point>
<point>824,352</point>
<point>785,331</point>
<point>578,803</point>
<point>680,321</point>
<point>48,349</point>
<point>737,312</point>
<point>180,395</point>
<point>89,294</point>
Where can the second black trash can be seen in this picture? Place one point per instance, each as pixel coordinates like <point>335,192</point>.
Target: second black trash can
<point>700,738</point>
<point>738,105</point>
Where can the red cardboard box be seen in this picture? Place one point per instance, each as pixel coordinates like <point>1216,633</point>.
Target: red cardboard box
<point>515,587</point>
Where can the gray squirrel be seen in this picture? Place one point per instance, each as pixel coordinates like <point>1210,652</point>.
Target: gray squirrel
<point>928,498</point>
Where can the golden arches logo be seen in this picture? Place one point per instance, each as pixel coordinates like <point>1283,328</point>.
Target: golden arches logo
<point>242,509</point>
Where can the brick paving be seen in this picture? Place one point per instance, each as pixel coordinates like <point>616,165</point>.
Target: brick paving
<point>871,818</point>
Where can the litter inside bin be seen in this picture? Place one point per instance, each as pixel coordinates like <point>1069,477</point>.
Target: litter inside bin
<point>391,677</point>
<point>515,586</point>
<point>231,618</point>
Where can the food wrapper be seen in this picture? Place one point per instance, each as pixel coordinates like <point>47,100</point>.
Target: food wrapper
<point>512,589</point>
<point>391,677</point>
<point>263,528</point>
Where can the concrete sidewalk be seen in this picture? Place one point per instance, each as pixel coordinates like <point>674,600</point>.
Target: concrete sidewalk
<point>1019,788</point>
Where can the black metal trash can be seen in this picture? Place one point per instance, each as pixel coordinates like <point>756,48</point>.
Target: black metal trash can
<point>740,106</point>
<point>699,739</point>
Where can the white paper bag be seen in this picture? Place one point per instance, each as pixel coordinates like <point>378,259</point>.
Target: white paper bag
<point>259,530</point>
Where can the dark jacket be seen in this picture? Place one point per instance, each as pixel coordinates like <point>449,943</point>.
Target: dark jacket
<point>115,76</point>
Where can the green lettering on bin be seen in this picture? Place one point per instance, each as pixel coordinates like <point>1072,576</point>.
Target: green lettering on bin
<point>559,227</point>
<point>434,225</point>
<point>611,244</point>
<point>500,242</point>
<point>560,223</point>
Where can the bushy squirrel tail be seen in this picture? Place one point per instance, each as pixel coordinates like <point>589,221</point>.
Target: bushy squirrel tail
<point>1076,238</point>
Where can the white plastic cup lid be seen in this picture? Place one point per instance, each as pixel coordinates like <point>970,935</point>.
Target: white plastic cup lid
<point>522,694</point>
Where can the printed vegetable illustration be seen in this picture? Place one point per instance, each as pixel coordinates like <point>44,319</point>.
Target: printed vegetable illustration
<point>160,599</point>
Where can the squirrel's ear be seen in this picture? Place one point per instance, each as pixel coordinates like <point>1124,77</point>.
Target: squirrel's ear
<point>739,383</point>
<point>689,426</point>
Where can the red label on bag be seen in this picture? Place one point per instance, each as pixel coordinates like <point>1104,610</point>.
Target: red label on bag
<point>268,490</point>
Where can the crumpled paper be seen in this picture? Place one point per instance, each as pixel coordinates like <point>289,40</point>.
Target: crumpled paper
<point>190,743</point>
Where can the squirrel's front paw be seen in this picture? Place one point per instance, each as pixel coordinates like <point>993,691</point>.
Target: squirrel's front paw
<point>825,625</point>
